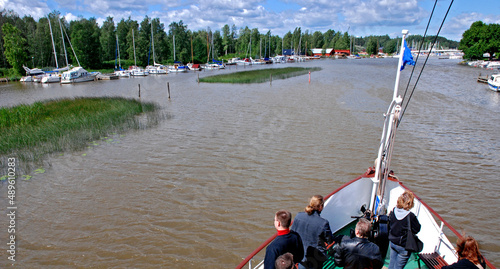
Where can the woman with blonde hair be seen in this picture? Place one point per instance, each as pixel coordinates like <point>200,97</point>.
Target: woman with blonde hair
<point>469,256</point>
<point>315,232</point>
<point>398,230</point>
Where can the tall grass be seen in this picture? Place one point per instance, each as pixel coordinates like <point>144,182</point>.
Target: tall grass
<point>259,76</point>
<point>30,132</point>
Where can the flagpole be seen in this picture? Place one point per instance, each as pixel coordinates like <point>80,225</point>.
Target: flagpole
<point>401,53</point>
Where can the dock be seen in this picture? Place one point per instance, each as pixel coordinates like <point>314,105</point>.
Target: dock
<point>4,80</point>
<point>482,79</point>
<point>107,76</point>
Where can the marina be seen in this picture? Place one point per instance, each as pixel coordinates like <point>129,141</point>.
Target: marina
<point>201,188</point>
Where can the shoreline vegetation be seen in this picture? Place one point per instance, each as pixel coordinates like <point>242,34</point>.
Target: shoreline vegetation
<point>259,76</point>
<point>31,132</point>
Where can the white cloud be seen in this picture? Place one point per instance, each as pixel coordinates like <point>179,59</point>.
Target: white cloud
<point>361,17</point>
<point>456,26</point>
<point>26,8</point>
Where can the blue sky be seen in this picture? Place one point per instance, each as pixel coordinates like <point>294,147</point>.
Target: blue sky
<point>359,17</point>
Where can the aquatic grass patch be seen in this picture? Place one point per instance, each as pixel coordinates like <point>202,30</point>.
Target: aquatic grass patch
<point>30,132</point>
<point>259,76</point>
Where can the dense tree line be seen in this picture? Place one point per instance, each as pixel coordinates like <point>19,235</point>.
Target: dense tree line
<point>24,41</point>
<point>479,39</point>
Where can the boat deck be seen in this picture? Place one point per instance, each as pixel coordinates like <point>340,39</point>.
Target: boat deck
<point>415,260</point>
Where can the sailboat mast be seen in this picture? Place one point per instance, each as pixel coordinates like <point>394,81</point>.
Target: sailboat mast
<point>64,44</point>
<point>133,42</point>
<point>153,42</point>
<point>53,45</point>
<point>118,49</point>
<point>174,48</point>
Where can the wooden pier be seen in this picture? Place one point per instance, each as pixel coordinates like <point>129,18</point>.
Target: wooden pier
<point>482,79</point>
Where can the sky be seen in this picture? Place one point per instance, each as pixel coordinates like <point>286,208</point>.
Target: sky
<point>357,17</point>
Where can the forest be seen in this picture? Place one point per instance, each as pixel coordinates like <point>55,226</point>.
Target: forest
<point>25,41</point>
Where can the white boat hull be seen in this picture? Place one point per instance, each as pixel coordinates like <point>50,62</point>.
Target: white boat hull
<point>51,79</point>
<point>494,82</point>
<point>79,79</point>
<point>26,79</point>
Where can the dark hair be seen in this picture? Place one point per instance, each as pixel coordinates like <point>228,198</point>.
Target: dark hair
<point>364,227</point>
<point>314,204</point>
<point>467,248</point>
<point>284,261</point>
<point>284,217</point>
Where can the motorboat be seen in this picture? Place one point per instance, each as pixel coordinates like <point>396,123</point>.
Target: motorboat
<point>77,74</point>
<point>494,82</point>
<point>137,71</point>
<point>51,78</point>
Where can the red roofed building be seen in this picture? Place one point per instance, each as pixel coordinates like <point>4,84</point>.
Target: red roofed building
<point>342,52</point>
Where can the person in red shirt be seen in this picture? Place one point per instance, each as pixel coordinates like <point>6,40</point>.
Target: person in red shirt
<point>286,241</point>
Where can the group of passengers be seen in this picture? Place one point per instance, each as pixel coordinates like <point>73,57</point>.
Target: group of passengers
<point>309,241</point>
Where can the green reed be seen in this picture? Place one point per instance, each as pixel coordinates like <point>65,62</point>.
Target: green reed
<point>259,76</point>
<point>30,132</point>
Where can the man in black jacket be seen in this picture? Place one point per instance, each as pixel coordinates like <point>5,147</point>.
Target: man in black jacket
<point>358,252</point>
<point>286,241</point>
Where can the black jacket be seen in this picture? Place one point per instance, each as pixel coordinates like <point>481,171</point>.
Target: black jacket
<point>282,244</point>
<point>398,229</point>
<point>464,264</point>
<point>357,253</point>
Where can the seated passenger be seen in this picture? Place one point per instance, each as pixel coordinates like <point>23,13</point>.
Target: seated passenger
<point>286,241</point>
<point>358,252</point>
<point>468,255</point>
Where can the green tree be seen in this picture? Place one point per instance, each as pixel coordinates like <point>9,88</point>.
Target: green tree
<point>473,42</point>
<point>182,41</point>
<point>30,32</point>
<point>85,40</point>
<point>372,46</point>
<point>108,40</point>
<point>200,46</point>
<point>390,46</point>
<point>226,39</point>
<point>343,42</point>
<point>131,41</point>
<point>14,45</point>
<point>124,32</point>
<point>317,40</point>
<point>143,43</point>
<point>162,49</point>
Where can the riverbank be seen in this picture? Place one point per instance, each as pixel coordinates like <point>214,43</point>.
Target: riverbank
<point>259,76</point>
<point>31,132</point>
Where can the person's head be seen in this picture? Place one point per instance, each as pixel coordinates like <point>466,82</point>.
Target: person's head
<point>467,248</point>
<point>315,204</point>
<point>282,220</point>
<point>363,228</point>
<point>284,261</point>
<point>405,201</point>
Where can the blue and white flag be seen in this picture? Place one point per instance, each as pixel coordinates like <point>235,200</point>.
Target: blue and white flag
<point>407,57</point>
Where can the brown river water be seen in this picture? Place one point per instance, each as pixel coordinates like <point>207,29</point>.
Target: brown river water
<point>199,190</point>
